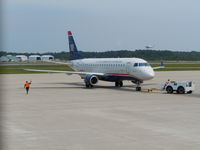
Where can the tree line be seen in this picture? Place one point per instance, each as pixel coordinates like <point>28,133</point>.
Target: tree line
<point>151,55</point>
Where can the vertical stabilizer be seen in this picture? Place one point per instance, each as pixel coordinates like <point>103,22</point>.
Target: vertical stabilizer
<point>74,54</point>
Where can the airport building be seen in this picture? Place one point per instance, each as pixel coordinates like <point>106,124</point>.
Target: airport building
<point>18,58</point>
<point>4,59</point>
<point>34,57</point>
<point>22,57</point>
<point>9,58</point>
<point>47,57</point>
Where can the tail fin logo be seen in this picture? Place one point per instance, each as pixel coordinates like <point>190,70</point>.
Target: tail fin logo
<point>74,54</point>
<point>69,33</point>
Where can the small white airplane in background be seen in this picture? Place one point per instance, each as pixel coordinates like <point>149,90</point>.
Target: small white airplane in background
<point>107,69</point>
<point>149,47</point>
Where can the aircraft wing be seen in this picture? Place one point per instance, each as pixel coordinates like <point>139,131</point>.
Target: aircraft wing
<point>56,62</point>
<point>160,67</point>
<point>67,72</point>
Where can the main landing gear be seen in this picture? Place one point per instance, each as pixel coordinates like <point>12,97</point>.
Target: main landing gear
<point>88,85</point>
<point>118,83</point>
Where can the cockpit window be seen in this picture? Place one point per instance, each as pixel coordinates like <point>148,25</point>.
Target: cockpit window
<point>141,64</point>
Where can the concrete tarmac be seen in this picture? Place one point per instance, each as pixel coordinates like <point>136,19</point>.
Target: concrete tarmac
<point>59,113</point>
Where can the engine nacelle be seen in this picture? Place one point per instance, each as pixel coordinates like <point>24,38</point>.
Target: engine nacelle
<point>91,79</point>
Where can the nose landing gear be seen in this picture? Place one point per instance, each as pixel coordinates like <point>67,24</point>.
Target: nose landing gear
<point>138,83</point>
<point>138,88</point>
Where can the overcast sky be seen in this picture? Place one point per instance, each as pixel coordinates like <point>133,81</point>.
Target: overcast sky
<point>100,25</point>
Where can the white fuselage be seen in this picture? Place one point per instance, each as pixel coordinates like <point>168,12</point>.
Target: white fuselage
<point>132,67</point>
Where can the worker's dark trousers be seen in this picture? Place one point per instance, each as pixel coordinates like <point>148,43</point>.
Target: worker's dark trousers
<point>27,89</point>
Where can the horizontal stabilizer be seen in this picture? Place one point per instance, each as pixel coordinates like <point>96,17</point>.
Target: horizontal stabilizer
<point>160,67</point>
<point>58,62</point>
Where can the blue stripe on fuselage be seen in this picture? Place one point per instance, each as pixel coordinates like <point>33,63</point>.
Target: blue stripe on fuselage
<point>114,78</point>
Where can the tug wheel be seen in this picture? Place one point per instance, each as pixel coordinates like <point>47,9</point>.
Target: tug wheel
<point>181,90</point>
<point>169,90</point>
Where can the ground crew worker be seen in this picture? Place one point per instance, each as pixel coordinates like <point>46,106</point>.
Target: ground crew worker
<point>166,83</point>
<point>27,86</point>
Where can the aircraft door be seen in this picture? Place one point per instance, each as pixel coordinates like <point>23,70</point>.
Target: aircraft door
<point>128,67</point>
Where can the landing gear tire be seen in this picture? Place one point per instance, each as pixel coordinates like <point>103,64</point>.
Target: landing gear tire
<point>88,85</point>
<point>138,88</point>
<point>169,90</point>
<point>116,84</point>
<point>119,84</point>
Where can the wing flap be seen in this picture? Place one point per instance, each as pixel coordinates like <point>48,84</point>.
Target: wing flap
<point>57,62</point>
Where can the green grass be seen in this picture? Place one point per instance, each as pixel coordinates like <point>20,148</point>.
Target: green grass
<point>19,69</point>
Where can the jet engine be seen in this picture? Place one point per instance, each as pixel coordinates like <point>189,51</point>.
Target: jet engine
<point>91,79</point>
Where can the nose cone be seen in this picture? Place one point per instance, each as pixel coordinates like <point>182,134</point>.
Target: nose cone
<point>149,74</point>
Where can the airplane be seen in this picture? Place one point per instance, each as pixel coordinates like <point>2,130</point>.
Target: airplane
<point>148,46</point>
<point>115,70</point>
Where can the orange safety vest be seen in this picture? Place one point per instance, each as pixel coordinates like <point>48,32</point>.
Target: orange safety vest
<point>27,85</point>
